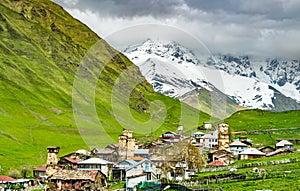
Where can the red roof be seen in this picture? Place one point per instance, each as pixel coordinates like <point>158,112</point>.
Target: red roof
<point>71,160</point>
<point>6,178</point>
<point>216,163</point>
<point>43,168</point>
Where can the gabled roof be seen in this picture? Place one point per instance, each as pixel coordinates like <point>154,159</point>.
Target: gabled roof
<point>141,151</point>
<point>71,160</point>
<point>95,161</point>
<point>128,162</point>
<point>252,151</point>
<point>6,179</point>
<point>41,169</point>
<point>238,143</point>
<point>139,163</point>
<point>283,143</point>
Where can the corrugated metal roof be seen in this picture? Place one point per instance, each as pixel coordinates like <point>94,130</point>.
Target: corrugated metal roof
<point>283,143</point>
<point>251,151</point>
<point>95,161</point>
<point>237,143</point>
<point>141,152</point>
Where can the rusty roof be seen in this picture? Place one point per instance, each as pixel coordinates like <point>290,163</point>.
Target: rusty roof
<point>6,179</point>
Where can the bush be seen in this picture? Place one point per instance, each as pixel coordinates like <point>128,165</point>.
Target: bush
<point>14,173</point>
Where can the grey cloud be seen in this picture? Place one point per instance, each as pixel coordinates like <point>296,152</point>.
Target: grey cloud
<point>128,8</point>
<point>226,26</point>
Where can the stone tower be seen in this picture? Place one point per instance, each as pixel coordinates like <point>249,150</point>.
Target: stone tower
<point>126,140</point>
<point>223,137</point>
<point>127,133</point>
<point>52,160</point>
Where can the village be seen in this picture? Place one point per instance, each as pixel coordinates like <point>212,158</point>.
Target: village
<point>173,158</point>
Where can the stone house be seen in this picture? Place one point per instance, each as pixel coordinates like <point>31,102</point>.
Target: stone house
<point>267,149</point>
<point>225,156</point>
<point>105,153</point>
<point>68,163</point>
<point>77,180</point>
<point>39,172</point>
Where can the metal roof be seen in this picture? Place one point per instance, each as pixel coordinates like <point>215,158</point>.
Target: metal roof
<point>283,143</point>
<point>141,151</point>
<point>95,161</point>
<point>251,151</point>
<point>237,143</point>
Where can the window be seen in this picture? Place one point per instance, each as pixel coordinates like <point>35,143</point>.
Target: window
<point>148,176</point>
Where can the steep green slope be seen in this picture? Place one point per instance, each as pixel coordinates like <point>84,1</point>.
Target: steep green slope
<point>41,48</point>
<point>215,103</point>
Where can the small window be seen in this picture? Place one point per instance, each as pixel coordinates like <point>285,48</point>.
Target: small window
<point>148,176</point>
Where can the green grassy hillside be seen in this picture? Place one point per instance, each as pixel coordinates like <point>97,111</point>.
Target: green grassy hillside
<point>41,48</point>
<point>266,127</point>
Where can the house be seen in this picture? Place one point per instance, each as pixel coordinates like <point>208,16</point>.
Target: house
<point>198,135</point>
<point>96,164</point>
<point>251,153</point>
<point>221,155</point>
<point>77,180</point>
<point>105,153</point>
<point>141,153</point>
<point>170,135</point>
<point>68,163</point>
<point>39,172</point>
<point>143,171</point>
<point>178,170</point>
<point>237,146</point>
<point>210,140</point>
<point>267,149</point>
<point>285,145</point>
<point>207,125</point>
<point>118,171</point>
<point>5,182</point>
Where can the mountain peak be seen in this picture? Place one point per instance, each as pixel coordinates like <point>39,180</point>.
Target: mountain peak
<point>174,70</point>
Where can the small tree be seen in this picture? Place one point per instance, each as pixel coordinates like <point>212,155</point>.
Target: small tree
<point>193,157</point>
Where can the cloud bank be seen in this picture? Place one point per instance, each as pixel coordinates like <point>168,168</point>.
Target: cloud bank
<point>261,28</point>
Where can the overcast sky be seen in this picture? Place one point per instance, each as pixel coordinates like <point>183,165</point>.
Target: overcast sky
<point>268,28</point>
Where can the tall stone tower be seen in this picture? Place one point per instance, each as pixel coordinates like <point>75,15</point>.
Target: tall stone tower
<point>223,137</point>
<point>52,160</point>
<point>128,133</point>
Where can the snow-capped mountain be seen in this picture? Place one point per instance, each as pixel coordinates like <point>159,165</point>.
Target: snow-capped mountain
<point>175,71</point>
